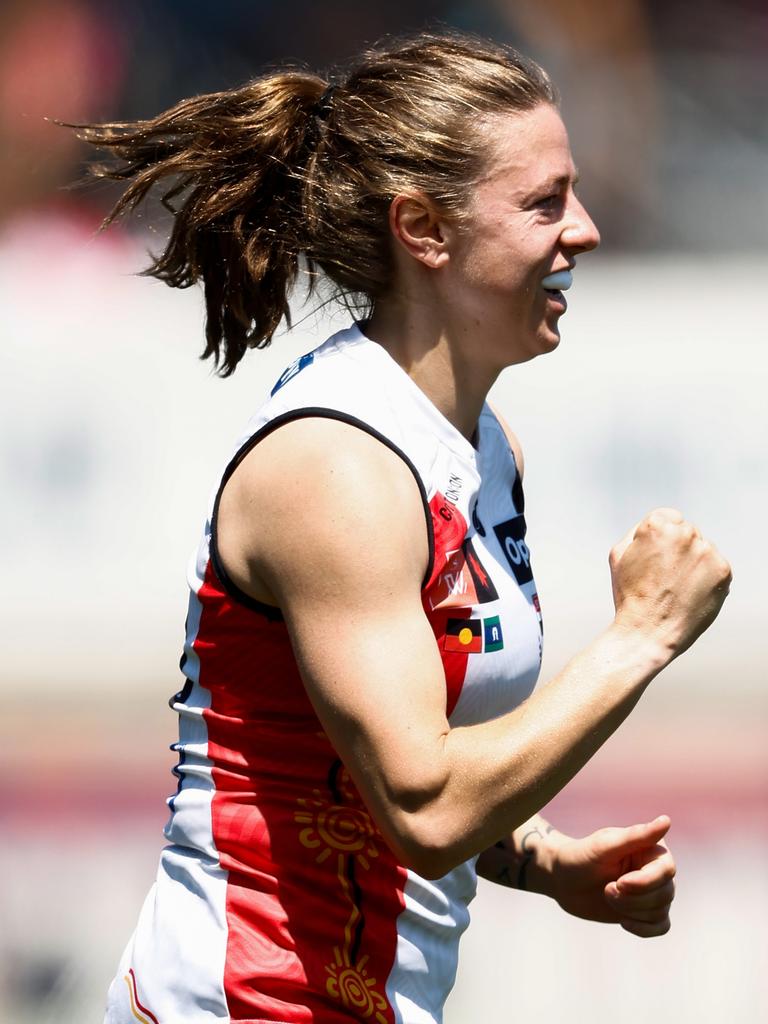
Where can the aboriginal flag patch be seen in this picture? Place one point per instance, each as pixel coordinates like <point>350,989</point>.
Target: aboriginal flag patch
<point>464,636</point>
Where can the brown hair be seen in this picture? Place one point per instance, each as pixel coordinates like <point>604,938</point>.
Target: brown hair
<point>287,167</point>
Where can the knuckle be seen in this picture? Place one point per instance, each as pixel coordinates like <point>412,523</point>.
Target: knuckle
<point>725,571</point>
<point>688,531</point>
<point>668,515</point>
<point>670,868</point>
<point>604,838</point>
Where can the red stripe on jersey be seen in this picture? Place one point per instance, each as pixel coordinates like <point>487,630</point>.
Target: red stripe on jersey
<point>450,591</point>
<point>313,891</point>
<point>135,999</point>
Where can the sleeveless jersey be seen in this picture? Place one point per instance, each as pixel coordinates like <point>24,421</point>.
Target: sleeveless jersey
<point>277,898</point>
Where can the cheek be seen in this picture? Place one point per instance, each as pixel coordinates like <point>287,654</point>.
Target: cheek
<point>496,264</point>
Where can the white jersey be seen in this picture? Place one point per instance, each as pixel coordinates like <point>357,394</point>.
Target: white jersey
<point>277,898</point>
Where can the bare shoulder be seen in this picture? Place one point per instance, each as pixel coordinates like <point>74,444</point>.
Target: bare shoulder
<point>320,499</point>
<point>514,444</point>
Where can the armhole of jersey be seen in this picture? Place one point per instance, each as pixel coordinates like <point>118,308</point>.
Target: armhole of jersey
<point>503,427</point>
<point>269,611</point>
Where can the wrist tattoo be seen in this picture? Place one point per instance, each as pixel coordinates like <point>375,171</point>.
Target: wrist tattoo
<point>526,856</point>
<point>518,855</point>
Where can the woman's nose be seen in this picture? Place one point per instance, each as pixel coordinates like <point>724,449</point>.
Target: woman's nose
<point>580,233</point>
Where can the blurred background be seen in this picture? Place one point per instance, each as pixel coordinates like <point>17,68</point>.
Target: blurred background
<point>112,435</point>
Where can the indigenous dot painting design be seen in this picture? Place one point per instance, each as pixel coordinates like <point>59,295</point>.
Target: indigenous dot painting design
<point>332,827</point>
<point>345,837</point>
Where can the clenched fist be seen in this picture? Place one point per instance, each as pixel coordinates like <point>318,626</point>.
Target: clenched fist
<point>668,582</point>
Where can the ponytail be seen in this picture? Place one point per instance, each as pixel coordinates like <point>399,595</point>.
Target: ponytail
<point>230,164</point>
<point>287,168</point>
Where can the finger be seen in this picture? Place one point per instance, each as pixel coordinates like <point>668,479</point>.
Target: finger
<point>646,929</point>
<point>622,842</point>
<point>658,517</point>
<point>654,869</point>
<point>655,916</point>
<point>654,899</point>
<point>657,871</point>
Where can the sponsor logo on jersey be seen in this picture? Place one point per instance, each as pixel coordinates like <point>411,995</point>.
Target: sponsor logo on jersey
<point>511,537</point>
<point>296,367</point>
<point>473,636</point>
<point>493,640</point>
<point>453,490</point>
<point>463,582</point>
<point>450,498</point>
<point>484,588</point>
<point>452,587</point>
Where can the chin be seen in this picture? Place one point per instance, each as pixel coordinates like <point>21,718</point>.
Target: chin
<point>538,343</point>
<point>546,341</point>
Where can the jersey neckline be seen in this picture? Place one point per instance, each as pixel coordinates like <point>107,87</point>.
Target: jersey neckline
<point>354,342</point>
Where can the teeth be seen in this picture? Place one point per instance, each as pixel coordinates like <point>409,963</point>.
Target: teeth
<point>559,282</point>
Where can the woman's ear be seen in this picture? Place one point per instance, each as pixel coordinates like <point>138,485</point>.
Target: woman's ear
<point>418,227</point>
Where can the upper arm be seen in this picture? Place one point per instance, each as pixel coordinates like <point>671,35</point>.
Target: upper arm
<point>514,444</point>
<point>333,524</point>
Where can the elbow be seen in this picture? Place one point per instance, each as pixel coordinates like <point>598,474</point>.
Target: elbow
<point>430,837</point>
<point>429,830</point>
<point>433,863</point>
<point>431,851</point>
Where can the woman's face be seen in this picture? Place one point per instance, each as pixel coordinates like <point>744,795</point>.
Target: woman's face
<point>524,223</point>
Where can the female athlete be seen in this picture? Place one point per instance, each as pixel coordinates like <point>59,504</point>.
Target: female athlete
<point>359,732</point>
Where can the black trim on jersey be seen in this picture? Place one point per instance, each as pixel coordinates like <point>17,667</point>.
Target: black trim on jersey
<point>271,612</point>
<point>333,778</point>
<point>357,899</point>
<point>518,495</point>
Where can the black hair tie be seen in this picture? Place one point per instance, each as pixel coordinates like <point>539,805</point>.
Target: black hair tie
<point>323,105</point>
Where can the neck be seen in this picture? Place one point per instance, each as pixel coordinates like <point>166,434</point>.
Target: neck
<point>441,361</point>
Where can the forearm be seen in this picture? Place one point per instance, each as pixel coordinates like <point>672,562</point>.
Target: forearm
<point>498,774</point>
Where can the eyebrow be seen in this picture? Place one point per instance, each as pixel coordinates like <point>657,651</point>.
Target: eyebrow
<point>556,182</point>
<point>559,181</point>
